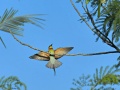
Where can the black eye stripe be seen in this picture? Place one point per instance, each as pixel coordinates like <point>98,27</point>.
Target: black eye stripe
<point>52,55</point>
<point>40,56</point>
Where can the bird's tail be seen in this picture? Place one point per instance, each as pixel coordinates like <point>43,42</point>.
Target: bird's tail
<point>55,65</point>
<point>54,70</point>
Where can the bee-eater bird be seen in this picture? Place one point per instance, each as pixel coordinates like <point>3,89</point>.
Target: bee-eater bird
<point>51,56</point>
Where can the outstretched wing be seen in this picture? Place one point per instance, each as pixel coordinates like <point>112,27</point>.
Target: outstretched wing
<point>43,56</point>
<point>62,51</point>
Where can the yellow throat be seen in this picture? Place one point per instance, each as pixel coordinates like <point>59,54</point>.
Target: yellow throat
<point>50,50</point>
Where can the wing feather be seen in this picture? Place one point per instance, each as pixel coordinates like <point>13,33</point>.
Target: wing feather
<point>41,56</point>
<point>62,51</point>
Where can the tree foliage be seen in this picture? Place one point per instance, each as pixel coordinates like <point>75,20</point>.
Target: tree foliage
<point>109,16</point>
<point>99,80</point>
<point>103,19</point>
<point>13,24</point>
<point>11,83</point>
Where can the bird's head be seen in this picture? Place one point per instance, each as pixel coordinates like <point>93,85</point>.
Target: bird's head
<point>50,47</point>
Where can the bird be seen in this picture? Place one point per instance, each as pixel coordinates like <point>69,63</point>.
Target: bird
<point>52,56</point>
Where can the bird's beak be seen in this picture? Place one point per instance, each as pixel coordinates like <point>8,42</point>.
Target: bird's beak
<point>50,46</point>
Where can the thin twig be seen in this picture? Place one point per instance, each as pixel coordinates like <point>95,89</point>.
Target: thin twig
<point>24,43</point>
<point>81,16</point>
<point>83,7</point>
<point>92,54</point>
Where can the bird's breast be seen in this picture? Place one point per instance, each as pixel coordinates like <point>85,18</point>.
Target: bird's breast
<point>52,59</point>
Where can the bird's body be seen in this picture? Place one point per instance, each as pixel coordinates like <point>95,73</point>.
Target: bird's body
<point>52,56</point>
<point>53,63</point>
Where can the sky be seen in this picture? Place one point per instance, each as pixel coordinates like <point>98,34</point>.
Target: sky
<point>62,29</point>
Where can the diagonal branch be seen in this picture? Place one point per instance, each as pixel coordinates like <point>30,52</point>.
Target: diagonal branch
<point>103,37</point>
<point>24,43</point>
<point>81,16</point>
<point>96,31</point>
<point>2,42</point>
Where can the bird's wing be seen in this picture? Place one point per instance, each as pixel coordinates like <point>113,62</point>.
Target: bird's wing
<point>43,56</point>
<point>62,51</point>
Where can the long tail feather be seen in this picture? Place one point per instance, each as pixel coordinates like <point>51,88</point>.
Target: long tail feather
<point>53,66</point>
<point>54,70</point>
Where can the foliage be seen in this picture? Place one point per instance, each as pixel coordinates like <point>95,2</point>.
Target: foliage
<point>100,79</point>
<point>8,22</point>
<point>103,18</point>
<point>11,83</point>
<point>110,20</point>
<point>2,42</point>
<point>11,24</point>
<point>108,16</point>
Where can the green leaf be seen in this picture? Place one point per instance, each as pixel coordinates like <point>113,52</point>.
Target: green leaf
<point>110,70</point>
<point>2,42</point>
<point>101,70</point>
<point>97,77</point>
<point>10,83</point>
<point>78,1</point>
<point>115,71</point>
<point>99,5</point>
<point>118,58</point>
<point>105,70</point>
<point>87,1</point>
<point>109,18</point>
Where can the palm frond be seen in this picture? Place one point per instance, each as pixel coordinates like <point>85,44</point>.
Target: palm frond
<point>99,6</point>
<point>101,70</point>
<point>97,74</point>
<point>103,76</point>
<point>94,78</point>
<point>2,42</point>
<point>105,70</point>
<point>8,22</point>
<point>115,71</point>
<point>10,83</point>
<point>111,69</point>
<point>110,20</point>
<point>78,1</point>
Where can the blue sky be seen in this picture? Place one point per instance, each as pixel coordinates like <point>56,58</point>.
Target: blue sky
<point>62,29</point>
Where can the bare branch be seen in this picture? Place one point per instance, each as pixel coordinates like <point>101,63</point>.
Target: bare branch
<point>79,54</point>
<point>24,43</point>
<point>92,54</point>
<point>81,16</point>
